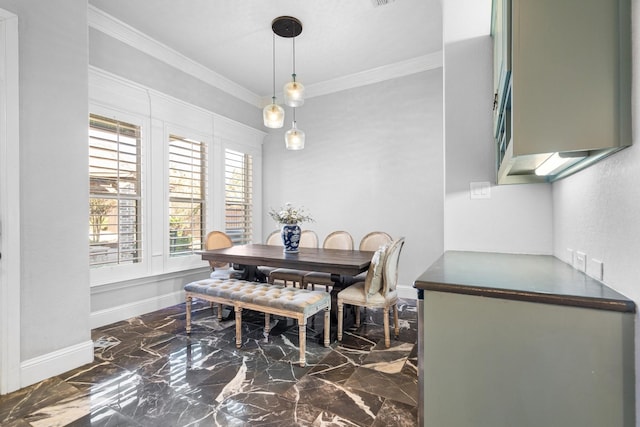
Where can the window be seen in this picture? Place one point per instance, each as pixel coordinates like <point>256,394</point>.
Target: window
<point>238,184</point>
<point>114,186</point>
<point>187,192</point>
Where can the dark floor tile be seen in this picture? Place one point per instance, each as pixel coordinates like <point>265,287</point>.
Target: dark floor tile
<point>104,417</point>
<point>23,402</point>
<point>338,365</point>
<point>149,372</point>
<point>357,406</point>
<point>259,408</point>
<point>396,414</point>
<point>398,387</point>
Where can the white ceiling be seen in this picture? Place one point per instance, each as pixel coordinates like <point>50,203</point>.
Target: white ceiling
<point>340,38</point>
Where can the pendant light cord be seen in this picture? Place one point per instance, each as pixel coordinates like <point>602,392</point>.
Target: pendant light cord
<point>294,59</point>
<point>273,61</point>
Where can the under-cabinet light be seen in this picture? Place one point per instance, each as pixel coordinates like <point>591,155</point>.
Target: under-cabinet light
<point>558,161</point>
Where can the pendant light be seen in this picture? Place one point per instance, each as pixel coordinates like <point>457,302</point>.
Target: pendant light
<point>290,27</point>
<point>294,137</point>
<point>294,91</point>
<point>273,114</point>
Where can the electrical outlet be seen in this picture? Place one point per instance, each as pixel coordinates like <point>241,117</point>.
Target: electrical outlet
<point>596,269</point>
<point>580,261</point>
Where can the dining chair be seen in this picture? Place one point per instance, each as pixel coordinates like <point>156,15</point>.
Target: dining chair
<point>371,242</point>
<point>377,291</point>
<point>308,239</point>
<point>375,239</point>
<point>218,240</point>
<point>335,240</point>
<point>273,239</point>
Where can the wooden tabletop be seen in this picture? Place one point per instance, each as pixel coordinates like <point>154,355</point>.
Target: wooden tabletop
<point>335,261</point>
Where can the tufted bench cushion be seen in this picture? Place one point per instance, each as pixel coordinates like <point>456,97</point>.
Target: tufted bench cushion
<point>269,299</point>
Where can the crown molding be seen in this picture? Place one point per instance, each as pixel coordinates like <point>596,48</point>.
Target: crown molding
<point>117,29</point>
<point>376,75</point>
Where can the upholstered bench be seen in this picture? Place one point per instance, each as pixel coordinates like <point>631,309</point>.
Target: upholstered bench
<point>291,302</point>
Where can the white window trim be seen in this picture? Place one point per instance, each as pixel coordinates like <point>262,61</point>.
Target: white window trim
<point>186,261</point>
<point>113,96</point>
<point>111,273</point>
<point>256,154</point>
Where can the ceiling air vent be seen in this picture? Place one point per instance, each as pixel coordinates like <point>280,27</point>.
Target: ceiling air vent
<point>377,3</point>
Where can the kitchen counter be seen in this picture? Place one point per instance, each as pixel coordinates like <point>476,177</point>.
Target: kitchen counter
<point>526,340</point>
<point>533,278</point>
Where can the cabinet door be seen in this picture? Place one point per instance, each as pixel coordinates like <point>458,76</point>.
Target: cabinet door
<point>501,32</point>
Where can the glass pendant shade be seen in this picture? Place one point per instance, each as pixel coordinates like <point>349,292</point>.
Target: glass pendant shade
<point>293,93</point>
<point>294,138</point>
<point>273,115</point>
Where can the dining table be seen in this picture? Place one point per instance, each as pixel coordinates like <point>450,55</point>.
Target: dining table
<point>342,264</point>
<point>337,262</point>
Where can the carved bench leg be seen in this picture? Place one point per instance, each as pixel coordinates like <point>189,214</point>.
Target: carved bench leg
<point>267,325</point>
<point>302,327</point>
<point>188,309</point>
<point>238,326</point>
<point>219,312</point>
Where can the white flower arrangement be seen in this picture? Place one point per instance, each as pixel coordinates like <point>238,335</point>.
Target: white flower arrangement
<point>290,215</point>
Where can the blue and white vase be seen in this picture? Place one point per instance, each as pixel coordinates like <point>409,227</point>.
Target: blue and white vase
<point>290,238</point>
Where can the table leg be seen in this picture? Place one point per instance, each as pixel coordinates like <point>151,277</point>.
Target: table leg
<point>251,273</point>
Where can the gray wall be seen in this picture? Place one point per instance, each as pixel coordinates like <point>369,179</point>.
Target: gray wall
<point>517,218</point>
<point>372,161</point>
<point>54,298</point>
<point>596,211</point>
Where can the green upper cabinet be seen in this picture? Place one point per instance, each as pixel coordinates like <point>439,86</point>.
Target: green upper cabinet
<point>562,80</point>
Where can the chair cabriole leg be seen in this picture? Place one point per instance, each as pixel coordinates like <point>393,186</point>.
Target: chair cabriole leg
<point>327,326</point>
<point>395,320</point>
<point>188,304</point>
<point>387,341</point>
<point>340,309</point>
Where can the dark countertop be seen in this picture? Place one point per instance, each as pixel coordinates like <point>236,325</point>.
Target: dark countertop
<point>534,278</point>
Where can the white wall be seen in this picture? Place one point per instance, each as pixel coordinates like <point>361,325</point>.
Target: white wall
<point>54,296</point>
<point>517,218</point>
<point>372,161</point>
<point>597,210</point>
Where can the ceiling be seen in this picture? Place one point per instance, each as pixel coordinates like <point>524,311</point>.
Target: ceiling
<point>233,38</point>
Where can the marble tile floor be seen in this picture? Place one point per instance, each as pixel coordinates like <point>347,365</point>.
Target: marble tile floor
<point>148,372</point>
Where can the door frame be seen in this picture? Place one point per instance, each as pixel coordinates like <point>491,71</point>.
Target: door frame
<point>9,205</point>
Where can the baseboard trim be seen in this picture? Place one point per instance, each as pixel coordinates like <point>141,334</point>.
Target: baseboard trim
<point>127,311</point>
<point>55,363</point>
<point>407,292</point>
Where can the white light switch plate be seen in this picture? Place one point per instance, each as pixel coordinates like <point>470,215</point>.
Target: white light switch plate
<point>480,190</point>
<point>580,261</point>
